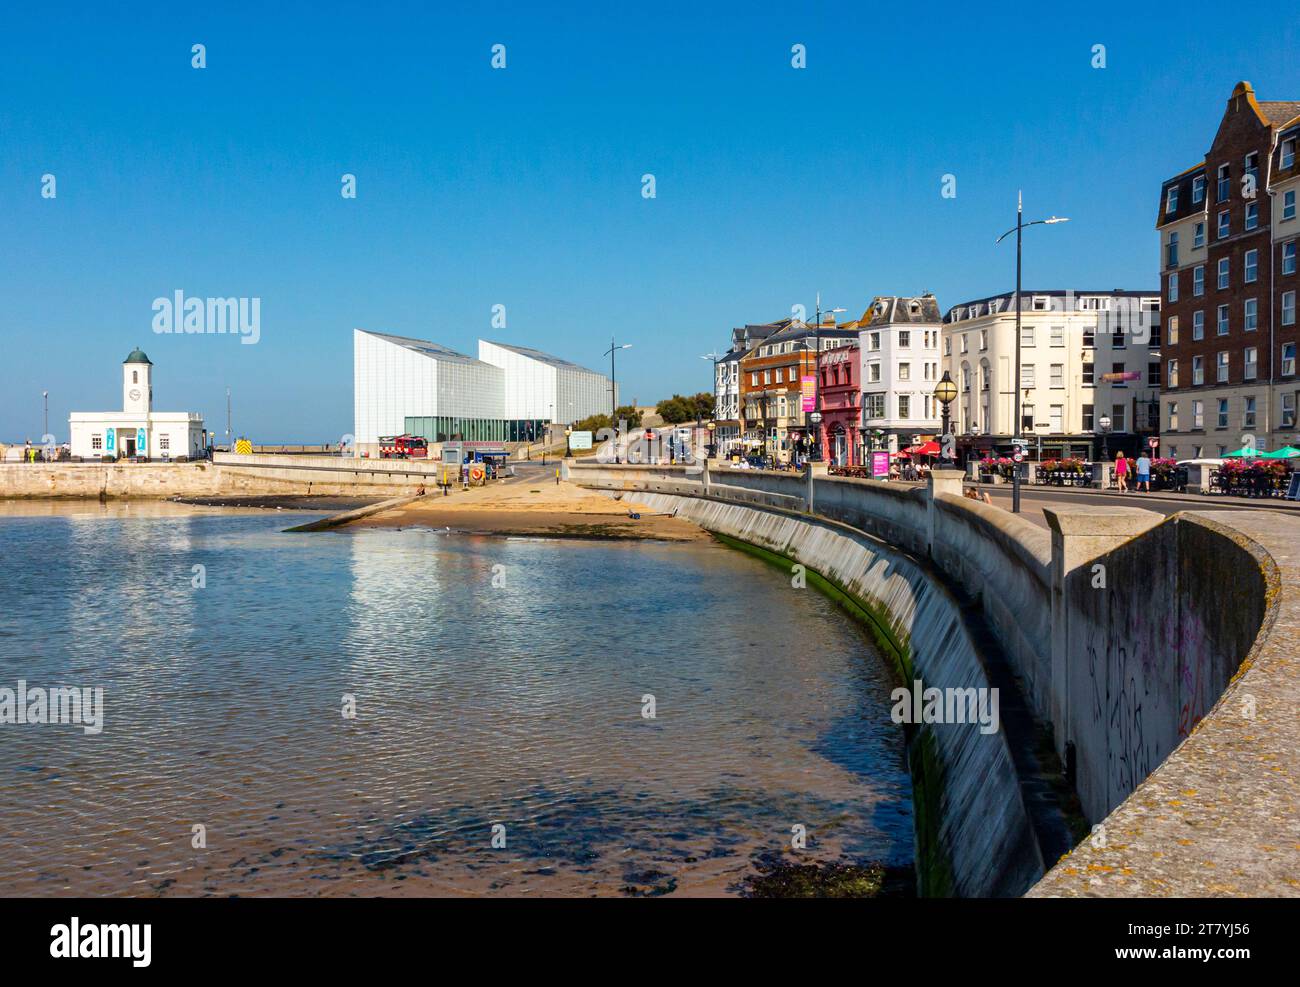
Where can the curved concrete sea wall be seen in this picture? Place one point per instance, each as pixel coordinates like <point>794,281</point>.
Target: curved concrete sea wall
<point>974,835</point>
<point>1158,653</point>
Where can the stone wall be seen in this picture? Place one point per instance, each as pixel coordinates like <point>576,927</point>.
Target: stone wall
<point>229,474</point>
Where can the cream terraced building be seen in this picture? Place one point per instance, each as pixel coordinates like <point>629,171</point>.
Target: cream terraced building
<point>1084,355</point>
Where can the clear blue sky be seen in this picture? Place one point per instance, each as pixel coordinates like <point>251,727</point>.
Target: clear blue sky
<point>522,186</point>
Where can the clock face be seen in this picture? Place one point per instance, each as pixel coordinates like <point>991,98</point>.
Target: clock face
<point>135,394</point>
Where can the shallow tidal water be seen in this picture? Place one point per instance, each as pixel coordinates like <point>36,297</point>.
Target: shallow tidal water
<point>499,687</point>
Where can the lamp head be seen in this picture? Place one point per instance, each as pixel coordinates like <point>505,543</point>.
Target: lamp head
<point>945,391</point>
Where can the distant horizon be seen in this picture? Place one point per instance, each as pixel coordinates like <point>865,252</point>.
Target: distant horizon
<point>663,177</point>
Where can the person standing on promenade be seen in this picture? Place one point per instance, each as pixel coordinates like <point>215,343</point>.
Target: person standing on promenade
<point>1144,473</point>
<point>1121,473</point>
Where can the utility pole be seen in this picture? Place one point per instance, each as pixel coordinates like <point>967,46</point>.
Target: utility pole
<point>229,446</point>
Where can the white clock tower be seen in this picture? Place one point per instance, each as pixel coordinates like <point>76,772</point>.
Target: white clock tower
<point>137,431</point>
<point>137,383</point>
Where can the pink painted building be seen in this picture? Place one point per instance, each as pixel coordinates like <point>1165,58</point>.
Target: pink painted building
<point>839,399</point>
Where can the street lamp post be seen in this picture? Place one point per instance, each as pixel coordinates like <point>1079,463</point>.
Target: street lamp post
<point>945,392</point>
<point>1103,426</point>
<point>1018,230</point>
<point>568,431</point>
<point>613,392</point>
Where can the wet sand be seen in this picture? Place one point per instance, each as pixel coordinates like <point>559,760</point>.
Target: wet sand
<point>541,509</point>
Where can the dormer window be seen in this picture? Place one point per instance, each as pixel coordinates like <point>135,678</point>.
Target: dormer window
<point>1171,199</point>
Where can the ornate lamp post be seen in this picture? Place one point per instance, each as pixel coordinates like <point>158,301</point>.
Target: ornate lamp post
<point>1103,426</point>
<point>815,437</point>
<point>568,431</point>
<point>945,392</point>
<point>710,450</point>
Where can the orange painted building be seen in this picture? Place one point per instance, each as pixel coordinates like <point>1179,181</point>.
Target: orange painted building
<point>772,421</point>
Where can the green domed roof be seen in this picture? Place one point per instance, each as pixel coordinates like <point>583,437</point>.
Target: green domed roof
<point>137,356</point>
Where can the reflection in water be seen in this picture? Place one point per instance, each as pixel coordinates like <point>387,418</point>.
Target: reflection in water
<point>497,683</point>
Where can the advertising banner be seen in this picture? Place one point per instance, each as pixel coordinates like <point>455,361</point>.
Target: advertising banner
<point>809,389</point>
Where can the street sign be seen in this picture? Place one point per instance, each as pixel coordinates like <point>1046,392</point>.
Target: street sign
<point>1153,442</point>
<point>1021,442</point>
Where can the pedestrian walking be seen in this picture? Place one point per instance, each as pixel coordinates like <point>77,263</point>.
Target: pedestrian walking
<point>1121,473</point>
<point>1144,473</point>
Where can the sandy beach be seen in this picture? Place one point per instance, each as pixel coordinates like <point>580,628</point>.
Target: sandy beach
<point>537,508</point>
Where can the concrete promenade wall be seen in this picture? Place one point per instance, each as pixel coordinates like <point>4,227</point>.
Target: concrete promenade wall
<point>1219,815</point>
<point>1132,636</point>
<point>228,474</point>
<point>92,480</point>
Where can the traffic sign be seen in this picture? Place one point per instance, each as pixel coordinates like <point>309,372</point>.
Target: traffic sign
<point>1018,456</point>
<point>1153,442</point>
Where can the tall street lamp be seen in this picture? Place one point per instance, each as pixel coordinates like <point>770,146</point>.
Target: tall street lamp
<point>1018,230</point>
<point>713,358</point>
<point>613,392</point>
<point>945,392</point>
<point>46,396</point>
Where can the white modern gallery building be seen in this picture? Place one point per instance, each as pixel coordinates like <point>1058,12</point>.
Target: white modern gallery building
<point>508,394</point>
<point>136,430</point>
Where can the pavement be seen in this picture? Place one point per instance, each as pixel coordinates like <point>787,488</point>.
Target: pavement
<point>1034,499</point>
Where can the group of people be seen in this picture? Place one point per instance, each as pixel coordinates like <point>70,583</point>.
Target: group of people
<point>1124,467</point>
<point>908,470</point>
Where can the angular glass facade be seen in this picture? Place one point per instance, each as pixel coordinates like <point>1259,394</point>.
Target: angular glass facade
<point>442,428</point>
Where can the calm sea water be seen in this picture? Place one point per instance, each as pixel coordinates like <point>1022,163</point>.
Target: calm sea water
<point>517,705</point>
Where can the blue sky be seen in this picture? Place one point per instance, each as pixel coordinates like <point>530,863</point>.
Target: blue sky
<point>522,186</point>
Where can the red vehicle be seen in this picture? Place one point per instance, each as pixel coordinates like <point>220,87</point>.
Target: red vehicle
<point>403,447</point>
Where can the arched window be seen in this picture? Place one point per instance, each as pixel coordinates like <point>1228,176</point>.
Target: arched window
<point>135,376</point>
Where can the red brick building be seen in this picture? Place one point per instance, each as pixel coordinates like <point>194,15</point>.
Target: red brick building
<point>1228,233</point>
